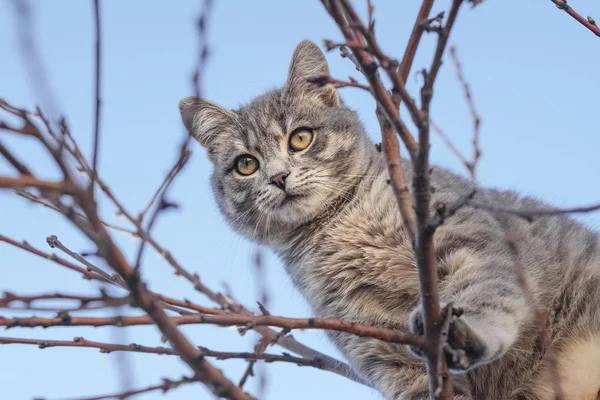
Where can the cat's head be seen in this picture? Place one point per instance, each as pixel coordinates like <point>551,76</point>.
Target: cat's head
<point>287,156</point>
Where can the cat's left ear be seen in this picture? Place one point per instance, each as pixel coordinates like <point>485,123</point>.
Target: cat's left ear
<point>205,120</point>
<point>309,62</point>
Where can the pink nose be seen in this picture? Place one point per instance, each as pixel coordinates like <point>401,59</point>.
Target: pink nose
<point>279,180</point>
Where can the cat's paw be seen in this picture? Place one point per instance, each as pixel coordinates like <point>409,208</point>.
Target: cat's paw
<point>464,348</point>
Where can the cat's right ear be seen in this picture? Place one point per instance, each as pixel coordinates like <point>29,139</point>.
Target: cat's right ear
<point>204,119</point>
<point>309,62</point>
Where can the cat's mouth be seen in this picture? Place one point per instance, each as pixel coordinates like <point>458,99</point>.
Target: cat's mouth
<point>292,197</point>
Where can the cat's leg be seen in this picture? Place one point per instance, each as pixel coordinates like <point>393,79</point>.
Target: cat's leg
<point>396,373</point>
<point>483,284</point>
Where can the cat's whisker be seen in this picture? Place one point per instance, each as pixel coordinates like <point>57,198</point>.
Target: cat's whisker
<point>346,176</point>
<point>340,192</point>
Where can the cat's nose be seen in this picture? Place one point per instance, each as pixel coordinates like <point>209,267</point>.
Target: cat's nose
<point>279,180</point>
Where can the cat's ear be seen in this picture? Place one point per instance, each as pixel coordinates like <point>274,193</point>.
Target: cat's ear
<point>309,62</point>
<point>204,119</point>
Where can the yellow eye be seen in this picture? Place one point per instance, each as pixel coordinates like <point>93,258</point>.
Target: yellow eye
<point>300,139</point>
<point>246,164</point>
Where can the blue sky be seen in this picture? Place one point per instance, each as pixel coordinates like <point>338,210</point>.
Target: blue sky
<point>534,76</point>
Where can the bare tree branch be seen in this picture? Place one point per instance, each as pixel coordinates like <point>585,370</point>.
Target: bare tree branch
<point>530,214</point>
<point>588,23</point>
<point>108,348</point>
<point>243,321</point>
<point>98,85</point>
<point>165,386</point>
<point>414,40</point>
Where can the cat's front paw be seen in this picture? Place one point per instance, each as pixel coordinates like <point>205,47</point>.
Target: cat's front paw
<point>464,348</point>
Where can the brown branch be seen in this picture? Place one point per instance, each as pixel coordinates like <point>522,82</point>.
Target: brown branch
<point>440,132</point>
<point>98,102</point>
<point>84,301</point>
<point>38,200</point>
<point>26,181</point>
<point>444,378</point>
<point>388,335</point>
<point>163,204</point>
<point>391,149</point>
<point>323,80</point>
<point>369,68</point>
<point>389,65</point>
<point>414,39</point>
<point>424,248</point>
<point>92,275</point>
<point>472,165</point>
<point>356,33</point>
<point>26,130</point>
<point>203,50</point>
<point>530,214</point>
<point>108,348</point>
<point>166,386</point>
<point>263,343</point>
<point>327,363</point>
<point>81,342</point>
<point>208,374</point>
<point>588,23</point>
<point>52,257</point>
<point>168,178</point>
<point>12,159</point>
<point>10,297</point>
<point>248,372</point>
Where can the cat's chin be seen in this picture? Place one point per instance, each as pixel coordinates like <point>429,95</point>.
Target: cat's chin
<point>292,199</point>
<point>293,210</point>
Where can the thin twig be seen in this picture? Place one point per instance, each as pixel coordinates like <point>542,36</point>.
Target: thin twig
<point>26,181</point>
<point>163,204</point>
<point>168,178</point>
<point>104,301</point>
<point>165,386</point>
<point>588,23</point>
<point>414,40</point>
<point>12,159</point>
<point>53,242</point>
<point>530,214</point>
<point>107,348</point>
<point>323,80</point>
<point>390,66</point>
<point>388,335</point>
<point>391,148</point>
<point>471,165</point>
<point>92,275</point>
<point>369,68</point>
<point>466,163</point>
<point>38,200</point>
<point>98,84</point>
<point>424,247</point>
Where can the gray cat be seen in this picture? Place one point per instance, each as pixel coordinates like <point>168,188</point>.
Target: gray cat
<point>295,170</point>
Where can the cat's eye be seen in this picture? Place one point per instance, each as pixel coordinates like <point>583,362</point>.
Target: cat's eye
<point>300,139</point>
<point>246,164</point>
